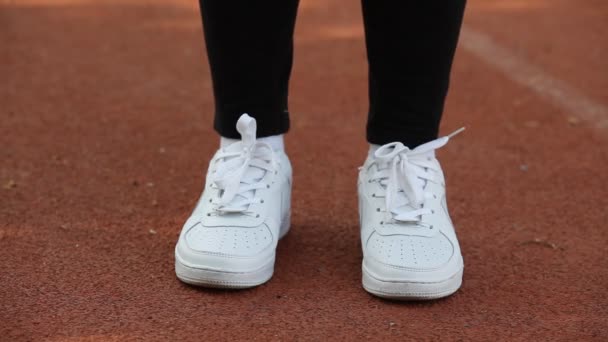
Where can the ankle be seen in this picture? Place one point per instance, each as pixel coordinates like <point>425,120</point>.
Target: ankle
<point>372,149</point>
<point>225,142</point>
<point>275,141</point>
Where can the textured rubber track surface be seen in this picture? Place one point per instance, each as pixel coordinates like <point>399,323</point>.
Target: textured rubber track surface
<point>105,131</point>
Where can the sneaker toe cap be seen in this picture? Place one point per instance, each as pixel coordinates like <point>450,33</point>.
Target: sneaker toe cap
<point>229,241</point>
<point>410,251</point>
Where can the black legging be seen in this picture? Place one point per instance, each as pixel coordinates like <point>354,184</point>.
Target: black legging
<point>410,47</point>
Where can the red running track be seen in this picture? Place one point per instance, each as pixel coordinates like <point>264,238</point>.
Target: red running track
<point>106,113</point>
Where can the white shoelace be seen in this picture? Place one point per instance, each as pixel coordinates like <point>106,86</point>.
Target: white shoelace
<point>404,174</point>
<point>241,168</point>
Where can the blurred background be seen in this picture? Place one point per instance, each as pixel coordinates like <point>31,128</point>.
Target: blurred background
<point>106,129</point>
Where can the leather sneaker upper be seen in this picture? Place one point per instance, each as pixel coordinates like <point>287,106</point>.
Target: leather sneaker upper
<point>405,224</point>
<point>245,200</point>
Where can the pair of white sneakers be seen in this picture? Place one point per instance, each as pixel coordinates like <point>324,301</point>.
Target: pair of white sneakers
<point>410,249</point>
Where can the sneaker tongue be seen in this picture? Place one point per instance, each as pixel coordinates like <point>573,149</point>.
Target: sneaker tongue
<point>403,203</point>
<point>252,174</point>
<point>401,200</point>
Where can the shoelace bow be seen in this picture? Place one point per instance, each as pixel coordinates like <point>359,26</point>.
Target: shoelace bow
<point>240,172</point>
<point>404,174</point>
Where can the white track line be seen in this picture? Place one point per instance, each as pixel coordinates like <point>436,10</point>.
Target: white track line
<point>556,91</point>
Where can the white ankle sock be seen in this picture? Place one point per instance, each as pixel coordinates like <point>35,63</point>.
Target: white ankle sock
<point>225,142</point>
<point>372,149</point>
<point>275,141</point>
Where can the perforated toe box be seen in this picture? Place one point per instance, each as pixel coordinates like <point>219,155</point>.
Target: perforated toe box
<point>409,251</point>
<point>232,241</point>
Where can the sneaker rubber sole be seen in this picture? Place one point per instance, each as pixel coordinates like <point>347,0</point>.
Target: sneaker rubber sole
<point>403,290</point>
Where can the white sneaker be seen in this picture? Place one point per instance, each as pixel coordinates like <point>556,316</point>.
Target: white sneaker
<point>410,249</point>
<point>230,239</point>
